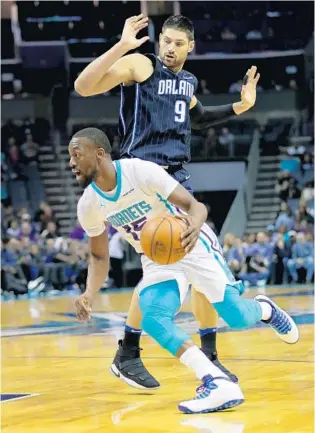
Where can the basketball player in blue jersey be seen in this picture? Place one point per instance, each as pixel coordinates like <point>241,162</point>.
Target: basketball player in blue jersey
<point>158,108</point>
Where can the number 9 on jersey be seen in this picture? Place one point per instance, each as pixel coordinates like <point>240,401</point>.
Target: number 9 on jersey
<point>180,111</point>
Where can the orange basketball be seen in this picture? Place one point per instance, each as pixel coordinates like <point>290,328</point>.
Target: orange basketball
<point>160,239</point>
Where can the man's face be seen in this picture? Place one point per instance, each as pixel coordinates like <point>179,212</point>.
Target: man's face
<point>174,47</point>
<point>261,238</point>
<point>83,160</point>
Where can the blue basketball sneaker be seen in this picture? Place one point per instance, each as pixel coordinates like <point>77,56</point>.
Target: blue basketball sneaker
<point>281,322</point>
<point>213,395</point>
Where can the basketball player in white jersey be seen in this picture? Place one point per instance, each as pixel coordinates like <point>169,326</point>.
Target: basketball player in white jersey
<point>127,193</point>
<point>157,111</point>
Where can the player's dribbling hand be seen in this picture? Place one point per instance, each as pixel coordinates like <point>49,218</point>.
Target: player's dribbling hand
<point>83,305</point>
<point>248,94</point>
<point>132,27</point>
<point>190,236</point>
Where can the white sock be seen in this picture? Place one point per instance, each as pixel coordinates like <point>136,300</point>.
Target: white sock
<point>266,310</point>
<point>202,366</point>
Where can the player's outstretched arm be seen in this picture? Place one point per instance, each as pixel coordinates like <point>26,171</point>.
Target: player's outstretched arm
<point>202,118</point>
<point>196,215</point>
<point>111,69</point>
<point>97,272</point>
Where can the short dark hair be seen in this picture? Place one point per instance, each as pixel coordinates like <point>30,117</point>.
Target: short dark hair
<point>181,23</point>
<point>98,137</point>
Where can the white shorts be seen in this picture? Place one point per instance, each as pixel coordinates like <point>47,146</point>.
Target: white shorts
<point>204,269</point>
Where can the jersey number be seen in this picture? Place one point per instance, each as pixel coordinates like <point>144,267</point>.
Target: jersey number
<point>180,111</point>
<point>136,226</point>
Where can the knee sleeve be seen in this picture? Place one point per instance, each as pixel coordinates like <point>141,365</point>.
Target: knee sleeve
<point>237,312</point>
<point>159,303</point>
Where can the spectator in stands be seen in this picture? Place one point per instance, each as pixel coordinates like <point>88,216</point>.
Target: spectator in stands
<point>282,186</point>
<point>302,257</point>
<point>226,139</point>
<point>285,217</point>
<point>254,34</point>
<point>77,233</point>
<point>26,230</point>
<point>275,86</point>
<point>303,214</point>
<point>281,255</point>
<point>204,87</point>
<point>53,272</point>
<point>210,144</point>
<point>236,87</point>
<point>296,150</point>
<point>50,232</point>
<point>14,230</point>
<point>255,271</point>
<point>7,214</point>
<point>43,215</point>
<point>293,190</point>
<point>5,176</point>
<point>248,243</point>
<point>293,85</point>
<point>229,240</point>
<point>308,193</point>
<point>116,253</point>
<point>307,164</point>
<point>236,256</point>
<point>14,158</point>
<point>29,151</point>
<point>227,34</point>
<point>12,277</point>
<point>285,233</point>
<point>263,247</point>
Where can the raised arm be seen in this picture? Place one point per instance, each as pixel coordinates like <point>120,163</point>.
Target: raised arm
<point>111,68</point>
<point>202,118</point>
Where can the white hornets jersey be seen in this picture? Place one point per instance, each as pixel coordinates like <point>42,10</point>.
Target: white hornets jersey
<point>141,193</point>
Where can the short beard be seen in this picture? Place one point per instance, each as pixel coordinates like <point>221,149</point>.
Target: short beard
<point>88,179</point>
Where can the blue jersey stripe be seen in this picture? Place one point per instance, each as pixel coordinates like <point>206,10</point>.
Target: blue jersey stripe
<point>121,113</point>
<point>135,117</point>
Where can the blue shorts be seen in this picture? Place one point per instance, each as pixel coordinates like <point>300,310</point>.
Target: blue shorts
<point>183,177</point>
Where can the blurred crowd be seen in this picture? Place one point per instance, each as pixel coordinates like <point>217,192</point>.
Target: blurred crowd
<point>271,257</point>
<point>37,259</point>
<point>20,172</point>
<point>284,253</point>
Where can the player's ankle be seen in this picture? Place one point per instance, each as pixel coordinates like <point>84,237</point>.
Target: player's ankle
<point>208,339</point>
<point>131,337</point>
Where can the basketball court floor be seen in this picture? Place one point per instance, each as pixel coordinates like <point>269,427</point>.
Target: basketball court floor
<point>55,376</point>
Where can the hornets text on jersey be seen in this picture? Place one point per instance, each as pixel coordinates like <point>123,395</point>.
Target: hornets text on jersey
<point>141,193</point>
<point>154,121</point>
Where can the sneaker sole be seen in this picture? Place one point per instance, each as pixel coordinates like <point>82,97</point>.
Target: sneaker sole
<point>293,324</point>
<point>115,372</point>
<point>225,406</point>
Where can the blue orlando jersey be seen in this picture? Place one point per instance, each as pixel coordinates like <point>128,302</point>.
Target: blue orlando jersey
<point>154,121</point>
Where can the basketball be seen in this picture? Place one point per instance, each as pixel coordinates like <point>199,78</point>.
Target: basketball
<point>161,239</point>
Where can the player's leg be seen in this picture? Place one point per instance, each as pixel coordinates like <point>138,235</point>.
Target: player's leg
<point>240,313</point>
<point>159,304</point>
<point>203,311</point>
<point>127,364</point>
<point>207,318</point>
<point>208,272</point>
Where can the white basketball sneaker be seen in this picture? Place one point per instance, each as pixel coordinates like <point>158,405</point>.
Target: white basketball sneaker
<point>281,322</point>
<point>213,395</point>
